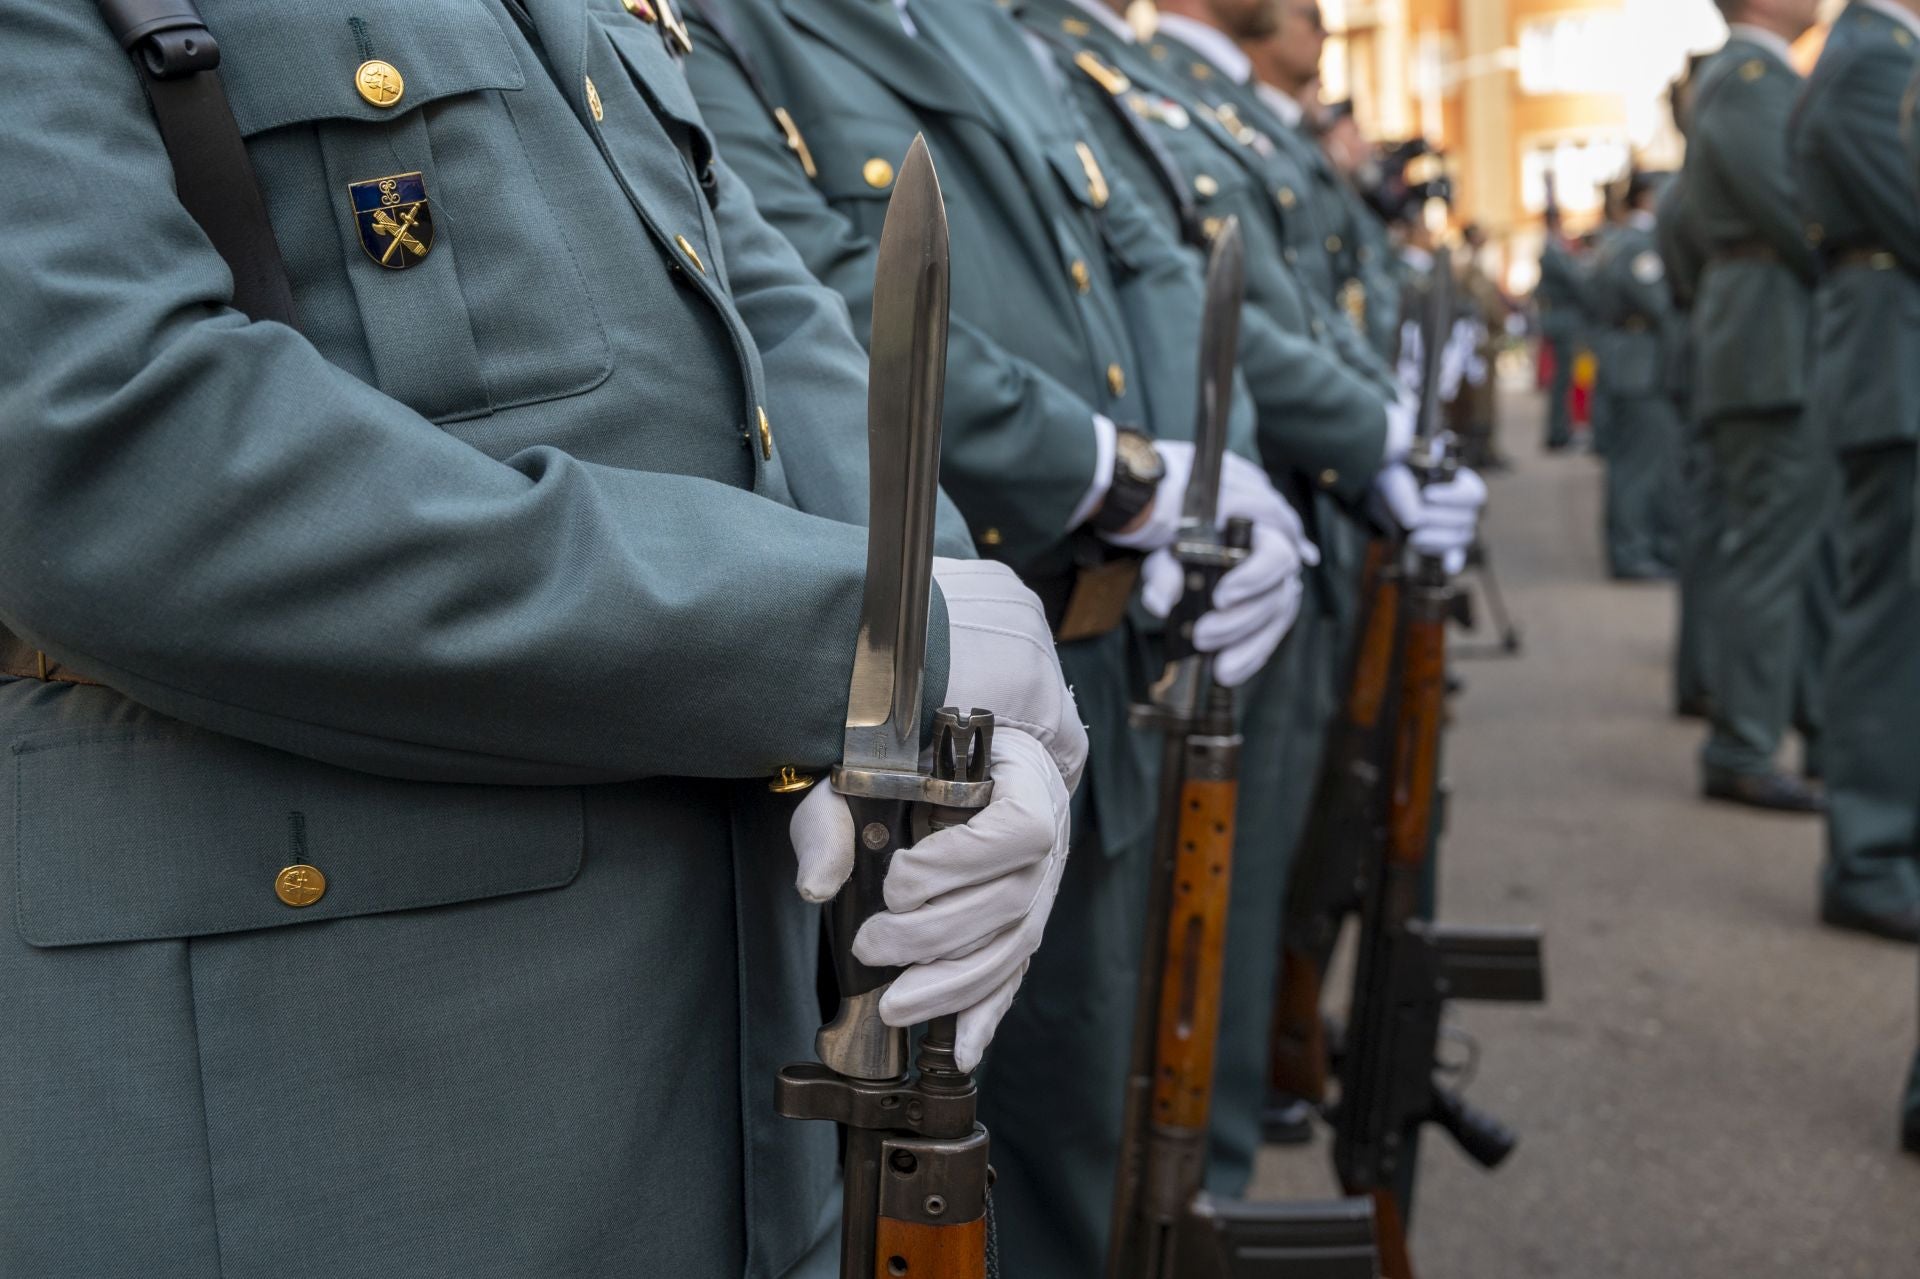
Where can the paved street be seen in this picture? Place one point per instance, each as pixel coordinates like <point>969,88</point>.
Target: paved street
<point>1711,1090</point>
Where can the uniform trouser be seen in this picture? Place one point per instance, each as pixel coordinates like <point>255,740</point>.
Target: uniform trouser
<point>1698,533</point>
<point>1052,1094</point>
<point>1560,394</point>
<point>1775,483</point>
<point>1872,753</point>
<point>1643,452</point>
<point>1910,1106</point>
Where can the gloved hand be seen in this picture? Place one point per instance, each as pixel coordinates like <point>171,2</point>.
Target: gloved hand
<point>1257,601</point>
<point>966,907</point>
<point>1441,520</point>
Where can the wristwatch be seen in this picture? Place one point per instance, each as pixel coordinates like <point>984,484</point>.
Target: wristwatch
<point>1137,471</point>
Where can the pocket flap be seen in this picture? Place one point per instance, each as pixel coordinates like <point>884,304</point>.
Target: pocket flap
<point>287,63</point>
<point>132,834</point>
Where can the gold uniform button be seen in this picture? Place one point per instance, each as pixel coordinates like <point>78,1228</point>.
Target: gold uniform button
<point>1082,278</point>
<point>991,537</point>
<point>1335,244</point>
<point>1286,197</point>
<point>1116,379</point>
<point>1329,478</point>
<point>300,885</point>
<point>1210,227</point>
<point>1815,233</point>
<point>379,82</point>
<point>593,102</point>
<point>791,781</point>
<point>640,9</point>
<point>1201,71</point>
<point>766,436</point>
<point>878,173</point>
<point>1206,185</point>
<point>693,256</point>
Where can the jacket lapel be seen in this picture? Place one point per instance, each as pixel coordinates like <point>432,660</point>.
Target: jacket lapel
<point>869,33</point>
<point>562,27</point>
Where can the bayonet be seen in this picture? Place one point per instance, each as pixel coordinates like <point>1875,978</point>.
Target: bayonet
<point>905,1137</point>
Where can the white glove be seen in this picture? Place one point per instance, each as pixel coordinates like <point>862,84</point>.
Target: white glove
<point>1441,520</point>
<point>1455,357</point>
<point>1001,658</point>
<point>1257,601</point>
<point>966,906</point>
<point>1413,346</point>
<point>1254,606</point>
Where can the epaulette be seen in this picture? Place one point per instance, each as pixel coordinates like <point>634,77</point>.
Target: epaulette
<point>1111,79</point>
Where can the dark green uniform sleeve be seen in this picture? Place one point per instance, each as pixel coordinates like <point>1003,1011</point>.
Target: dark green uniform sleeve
<point>1739,139</point>
<point>1013,469</point>
<point>1853,125</point>
<point>208,516</point>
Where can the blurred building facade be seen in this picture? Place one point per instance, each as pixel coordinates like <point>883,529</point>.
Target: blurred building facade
<point>1515,90</point>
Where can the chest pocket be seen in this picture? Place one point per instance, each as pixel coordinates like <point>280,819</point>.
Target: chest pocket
<point>858,161</point>
<point>495,312</point>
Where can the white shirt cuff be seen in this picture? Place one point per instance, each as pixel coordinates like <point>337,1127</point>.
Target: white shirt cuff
<point>1105,436</point>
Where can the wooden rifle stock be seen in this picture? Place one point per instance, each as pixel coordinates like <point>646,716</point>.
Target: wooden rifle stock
<point>931,1252</point>
<point>1189,1021</point>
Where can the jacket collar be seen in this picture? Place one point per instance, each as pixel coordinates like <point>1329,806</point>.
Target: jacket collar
<point>869,32</point>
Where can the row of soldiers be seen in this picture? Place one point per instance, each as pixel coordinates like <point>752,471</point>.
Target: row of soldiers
<point>1762,420</point>
<point>433,559</point>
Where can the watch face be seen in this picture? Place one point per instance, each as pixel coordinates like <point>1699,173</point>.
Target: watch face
<point>1139,457</point>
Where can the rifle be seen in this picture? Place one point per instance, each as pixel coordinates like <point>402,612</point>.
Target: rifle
<point>1325,882</point>
<point>1408,966</point>
<point>915,1171</point>
<point>1163,1226</point>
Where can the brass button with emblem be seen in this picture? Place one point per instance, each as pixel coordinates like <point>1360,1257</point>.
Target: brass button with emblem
<point>1286,197</point>
<point>1210,227</point>
<point>766,435</point>
<point>593,102</point>
<point>380,83</point>
<point>1082,277</point>
<point>1752,70</point>
<point>991,537</point>
<point>1206,185</point>
<point>693,254</point>
<point>1201,71</point>
<point>300,885</point>
<point>1075,27</point>
<point>878,173</point>
<point>791,781</point>
<point>1116,379</point>
<point>1329,478</point>
<point>1335,244</point>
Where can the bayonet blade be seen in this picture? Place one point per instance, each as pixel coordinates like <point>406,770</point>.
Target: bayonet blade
<point>906,382</point>
<point>1219,355</point>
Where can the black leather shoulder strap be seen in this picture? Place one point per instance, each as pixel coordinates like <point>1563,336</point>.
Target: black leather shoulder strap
<point>176,56</point>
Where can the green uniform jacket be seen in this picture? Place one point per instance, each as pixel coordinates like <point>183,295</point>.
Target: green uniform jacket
<point>1299,179</point>
<point>1056,266</point>
<point>485,594</point>
<point>1750,317</point>
<point>1628,291</point>
<point>1560,294</point>
<point>1861,211</point>
<point>1676,235</point>
<point>1317,415</point>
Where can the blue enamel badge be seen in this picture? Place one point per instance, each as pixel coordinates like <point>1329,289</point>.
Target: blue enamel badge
<point>396,225</point>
